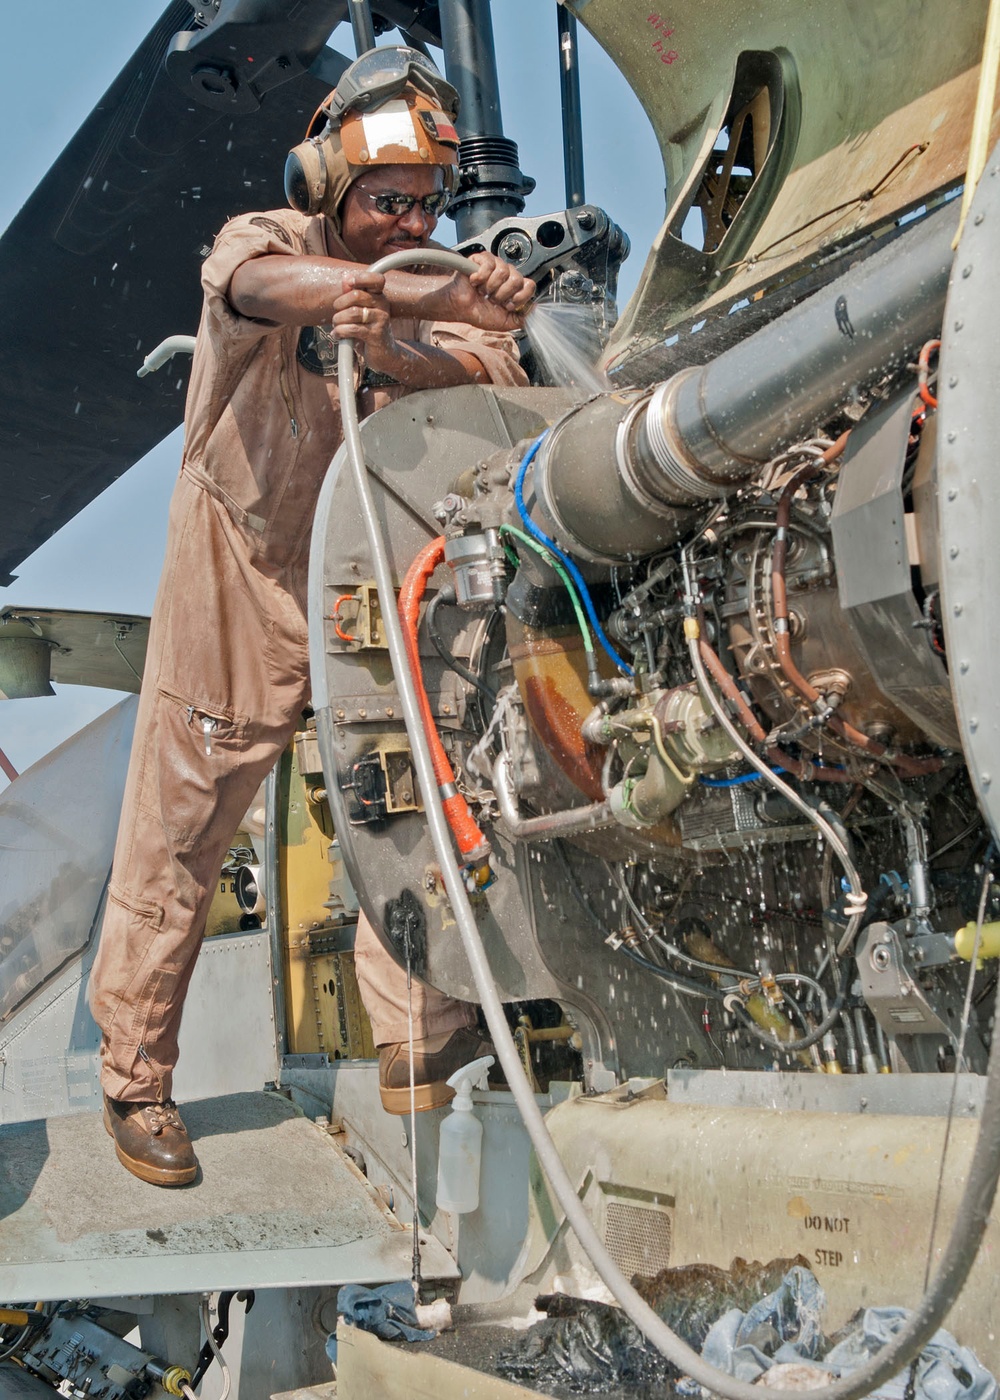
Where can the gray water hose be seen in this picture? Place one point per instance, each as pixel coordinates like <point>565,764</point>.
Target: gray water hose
<point>977,1200</point>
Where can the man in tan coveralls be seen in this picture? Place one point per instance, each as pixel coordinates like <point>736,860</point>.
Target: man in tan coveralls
<point>227,674</point>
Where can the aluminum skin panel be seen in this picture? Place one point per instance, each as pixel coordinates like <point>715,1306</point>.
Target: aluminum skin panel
<point>58,823</point>
<point>49,1061</point>
<point>873,573</point>
<point>856,1194</point>
<point>969,488</point>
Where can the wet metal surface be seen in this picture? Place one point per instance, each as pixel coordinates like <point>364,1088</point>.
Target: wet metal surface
<point>275,1204</point>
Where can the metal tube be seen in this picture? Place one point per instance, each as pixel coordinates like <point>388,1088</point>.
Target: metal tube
<point>732,415</point>
<point>869,1063</point>
<point>361,24</point>
<point>707,431</point>
<point>550,825</point>
<point>470,63</point>
<point>916,859</point>
<point>572,115</point>
<point>493,186</point>
<point>272,897</point>
<point>885,1064</point>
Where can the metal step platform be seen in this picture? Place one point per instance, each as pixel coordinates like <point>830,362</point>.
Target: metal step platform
<point>275,1205</point>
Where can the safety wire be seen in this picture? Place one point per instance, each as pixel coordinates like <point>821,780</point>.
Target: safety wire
<point>982,1182</point>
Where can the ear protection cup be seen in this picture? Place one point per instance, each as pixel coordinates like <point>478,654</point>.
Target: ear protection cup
<point>306,176</point>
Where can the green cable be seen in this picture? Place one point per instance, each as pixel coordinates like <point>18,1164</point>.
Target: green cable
<point>556,564</point>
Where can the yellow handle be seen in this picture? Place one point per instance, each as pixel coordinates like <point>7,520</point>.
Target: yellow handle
<point>989,941</point>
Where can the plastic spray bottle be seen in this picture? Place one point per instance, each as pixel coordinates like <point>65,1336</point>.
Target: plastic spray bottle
<point>461,1142</point>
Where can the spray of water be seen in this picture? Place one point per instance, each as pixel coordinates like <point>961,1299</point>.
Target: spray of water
<point>566,342</point>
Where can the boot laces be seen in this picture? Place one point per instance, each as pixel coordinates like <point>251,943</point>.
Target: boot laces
<point>163,1115</point>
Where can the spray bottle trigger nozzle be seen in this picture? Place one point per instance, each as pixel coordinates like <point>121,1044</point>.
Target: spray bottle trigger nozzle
<point>469,1077</point>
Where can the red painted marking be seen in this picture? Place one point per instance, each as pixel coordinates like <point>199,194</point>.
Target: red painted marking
<point>665,29</point>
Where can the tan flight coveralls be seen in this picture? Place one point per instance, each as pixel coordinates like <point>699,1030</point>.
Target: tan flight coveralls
<point>227,673</point>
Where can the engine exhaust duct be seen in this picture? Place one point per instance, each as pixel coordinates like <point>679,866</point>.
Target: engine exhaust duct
<point>710,428</point>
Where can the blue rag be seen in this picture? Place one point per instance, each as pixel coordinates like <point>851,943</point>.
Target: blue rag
<point>388,1311</point>
<point>785,1327</point>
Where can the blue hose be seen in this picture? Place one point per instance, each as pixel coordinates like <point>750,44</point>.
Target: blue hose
<point>571,567</point>
<point>752,777</point>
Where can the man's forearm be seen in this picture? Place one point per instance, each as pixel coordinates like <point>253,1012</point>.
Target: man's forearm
<point>301,291</point>
<point>420,366</point>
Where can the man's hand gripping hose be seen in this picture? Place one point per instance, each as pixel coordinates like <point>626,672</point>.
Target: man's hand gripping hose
<point>982,1181</point>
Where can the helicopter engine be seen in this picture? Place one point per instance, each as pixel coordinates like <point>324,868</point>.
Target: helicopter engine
<point>683,652</point>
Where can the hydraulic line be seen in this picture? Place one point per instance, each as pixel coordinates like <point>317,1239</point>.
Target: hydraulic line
<point>687,985</point>
<point>981,1186</point>
<point>908,767</point>
<point>550,825</point>
<point>869,1063</point>
<point>206,1327</point>
<point>828,1022</point>
<point>799,767</point>
<point>671,949</point>
<point>446,596</point>
<point>568,563</point>
<point>470,840</point>
<point>856,897</point>
<point>673,979</point>
<point>740,780</point>
<point>556,565</point>
<point>774,1027</point>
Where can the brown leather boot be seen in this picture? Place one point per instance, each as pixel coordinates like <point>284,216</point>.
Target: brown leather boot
<point>151,1141</point>
<point>434,1059</point>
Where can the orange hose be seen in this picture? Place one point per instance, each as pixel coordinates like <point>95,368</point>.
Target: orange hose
<point>472,844</point>
<point>799,768</point>
<point>924,369</point>
<point>335,615</point>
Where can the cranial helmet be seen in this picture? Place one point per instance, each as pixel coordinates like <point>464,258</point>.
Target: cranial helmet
<point>391,107</point>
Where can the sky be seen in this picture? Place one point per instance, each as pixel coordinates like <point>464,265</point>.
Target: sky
<point>109,556</point>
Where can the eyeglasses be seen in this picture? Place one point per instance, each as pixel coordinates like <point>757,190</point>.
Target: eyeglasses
<point>396,204</point>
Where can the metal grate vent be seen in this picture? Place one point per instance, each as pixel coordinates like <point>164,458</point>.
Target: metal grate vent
<point>637,1238</point>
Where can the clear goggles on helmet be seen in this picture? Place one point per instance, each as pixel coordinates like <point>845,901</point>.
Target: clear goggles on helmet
<point>382,74</point>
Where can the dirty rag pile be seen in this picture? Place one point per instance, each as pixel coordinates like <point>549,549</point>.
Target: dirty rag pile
<point>759,1322</point>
